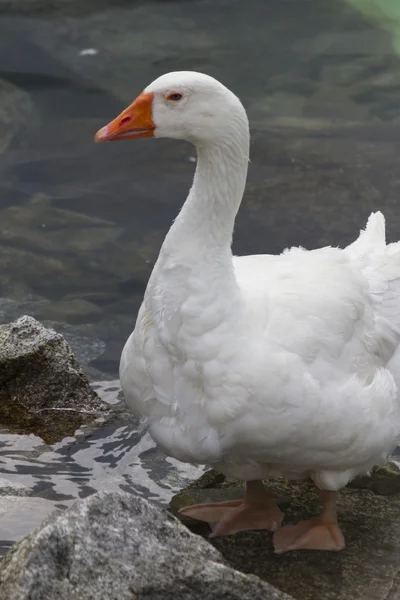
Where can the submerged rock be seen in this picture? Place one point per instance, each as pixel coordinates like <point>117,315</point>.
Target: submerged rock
<point>75,310</point>
<point>12,308</point>
<point>369,515</point>
<point>86,348</point>
<point>120,546</point>
<point>42,227</point>
<point>43,389</point>
<point>16,113</point>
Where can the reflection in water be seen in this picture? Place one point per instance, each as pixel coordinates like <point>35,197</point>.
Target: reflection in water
<point>115,457</point>
<point>81,225</point>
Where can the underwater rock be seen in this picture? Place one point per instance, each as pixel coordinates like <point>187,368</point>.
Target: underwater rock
<point>43,388</point>
<point>86,348</point>
<point>11,308</point>
<point>117,545</point>
<point>40,226</point>
<point>369,515</point>
<point>69,7</point>
<point>47,273</point>
<point>59,249</point>
<point>16,113</point>
<point>75,311</point>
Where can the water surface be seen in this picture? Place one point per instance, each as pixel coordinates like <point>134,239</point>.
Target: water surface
<point>81,224</point>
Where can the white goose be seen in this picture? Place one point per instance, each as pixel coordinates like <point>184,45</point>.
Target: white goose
<point>258,365</point>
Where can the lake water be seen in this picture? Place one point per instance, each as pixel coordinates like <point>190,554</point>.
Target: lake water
<point>81,224</point>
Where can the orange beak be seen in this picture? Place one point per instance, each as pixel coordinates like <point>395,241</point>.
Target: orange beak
<point>136,121</point>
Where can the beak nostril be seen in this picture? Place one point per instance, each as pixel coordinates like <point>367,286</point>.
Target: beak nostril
<point>134,122</point>
<point>125,120</point>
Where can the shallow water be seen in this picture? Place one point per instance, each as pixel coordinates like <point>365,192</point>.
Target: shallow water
<point>81,225</point>
<point>114,456</point>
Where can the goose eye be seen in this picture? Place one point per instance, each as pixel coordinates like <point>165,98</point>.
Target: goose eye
<point>175,97</point>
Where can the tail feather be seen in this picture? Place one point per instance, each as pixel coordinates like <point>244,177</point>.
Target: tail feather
<point>372,239</point>
<point>380,265</point>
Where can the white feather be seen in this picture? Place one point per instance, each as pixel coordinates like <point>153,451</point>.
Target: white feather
<point>261,365</point>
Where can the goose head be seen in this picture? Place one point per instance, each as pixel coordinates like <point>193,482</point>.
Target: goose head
<point>181,105</point>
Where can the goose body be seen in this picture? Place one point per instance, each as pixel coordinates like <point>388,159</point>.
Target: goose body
<point>258,365</point>
<point>296,377</point>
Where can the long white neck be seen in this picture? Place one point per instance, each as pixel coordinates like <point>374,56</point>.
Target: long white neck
<point>193,288</point>
<point>202,232</point>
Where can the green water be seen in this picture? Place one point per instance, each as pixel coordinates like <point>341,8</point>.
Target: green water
<point>383,13</point>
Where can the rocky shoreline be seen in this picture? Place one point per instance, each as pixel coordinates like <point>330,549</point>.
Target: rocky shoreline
<point>118,544</point>
<point>43,389</point>
<point>109,544</point>
<point>121,546</point>
<point>80,229</point>
<point>369,513</point>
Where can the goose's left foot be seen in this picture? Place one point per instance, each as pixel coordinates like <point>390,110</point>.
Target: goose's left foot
<point>255,511</point>
<point>319,533</point>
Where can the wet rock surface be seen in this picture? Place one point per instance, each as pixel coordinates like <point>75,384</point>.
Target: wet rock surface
<point>38,376</point>
<point>121,546</point>
<point>368,568</point>
<point>109,454</point>
<point>13,489</point>
<point>20,514</point>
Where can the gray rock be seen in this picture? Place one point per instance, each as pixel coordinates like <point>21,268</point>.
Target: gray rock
<point>12,488</point>
<point>119,546</point>
<point>85,347</point>
<point>369,515</point>
<point>43,388</point>
<point>20,515</point>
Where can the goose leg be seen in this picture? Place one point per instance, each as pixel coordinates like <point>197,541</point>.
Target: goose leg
<point>255,511</point>
<point>319,533</point>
